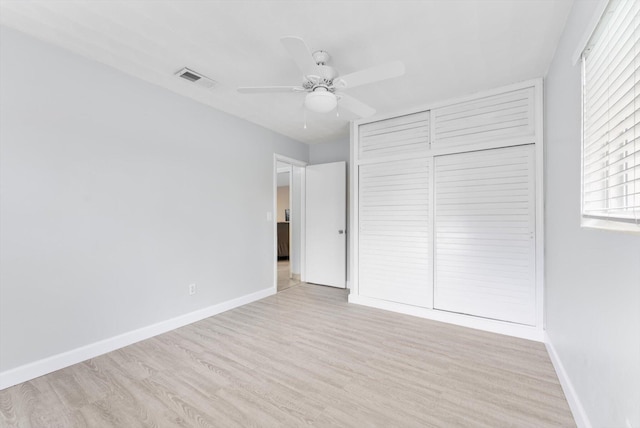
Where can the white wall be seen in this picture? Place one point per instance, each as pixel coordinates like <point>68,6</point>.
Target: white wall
<point>116,195</point>
<point>592,276</point>
<point>331,151</point>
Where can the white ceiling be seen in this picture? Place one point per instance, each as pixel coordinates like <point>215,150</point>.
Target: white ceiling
<point>450,47</point>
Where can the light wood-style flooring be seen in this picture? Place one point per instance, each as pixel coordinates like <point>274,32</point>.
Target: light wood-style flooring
<point>303,357</point>
<point>284,275</point>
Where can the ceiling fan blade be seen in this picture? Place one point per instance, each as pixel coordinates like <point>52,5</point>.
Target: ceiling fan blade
<point>355,106</point>
<point>301,54</point>
<point>270,89</point>
<point>372,74</point>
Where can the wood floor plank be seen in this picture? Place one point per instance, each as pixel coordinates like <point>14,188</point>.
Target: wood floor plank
<point>29,406</point>
<point>302,358</point>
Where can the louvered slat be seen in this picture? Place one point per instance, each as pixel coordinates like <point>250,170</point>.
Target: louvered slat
<point>484,229</point>
<point>505,115</point>
<point>399,135</point>
<point>394,246</point>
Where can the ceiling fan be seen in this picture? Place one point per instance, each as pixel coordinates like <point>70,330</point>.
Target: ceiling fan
<point>323,84</point>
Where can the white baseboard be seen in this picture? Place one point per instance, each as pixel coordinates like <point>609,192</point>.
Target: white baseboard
<point>485,324</point>
<point>579,415</point>
<point>56,362</point>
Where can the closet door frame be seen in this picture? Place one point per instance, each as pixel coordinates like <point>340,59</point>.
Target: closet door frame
<point>535,332</point>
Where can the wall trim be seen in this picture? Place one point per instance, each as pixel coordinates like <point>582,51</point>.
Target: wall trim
<point>65,359</point>
<point>579,414</point>
<point>485,324</point>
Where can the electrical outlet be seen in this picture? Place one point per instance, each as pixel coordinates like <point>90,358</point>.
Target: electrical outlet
<point>192,289</point>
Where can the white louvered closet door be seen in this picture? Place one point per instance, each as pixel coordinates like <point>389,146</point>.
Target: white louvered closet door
<point>506,115</point>
<point>403,135</point>
<point>394,243</point>
<point>484,234</point>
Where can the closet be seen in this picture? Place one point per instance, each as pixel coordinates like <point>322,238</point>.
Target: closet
<point>446,211</point>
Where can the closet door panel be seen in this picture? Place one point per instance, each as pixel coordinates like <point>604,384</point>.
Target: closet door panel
<point>396,136</point>
<point>394,242</point>
<point>484,234</point>
<point>506,115</point>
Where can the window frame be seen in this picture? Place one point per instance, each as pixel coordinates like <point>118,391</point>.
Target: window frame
<point>614,223</point>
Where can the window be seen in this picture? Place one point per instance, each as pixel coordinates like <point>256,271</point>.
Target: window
<point>611,119</point>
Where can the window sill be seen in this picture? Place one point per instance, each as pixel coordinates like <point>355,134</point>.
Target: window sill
<point>616,226</point>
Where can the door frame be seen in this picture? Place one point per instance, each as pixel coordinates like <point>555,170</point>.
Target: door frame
<point>274,187</point>
<point>288,170</point>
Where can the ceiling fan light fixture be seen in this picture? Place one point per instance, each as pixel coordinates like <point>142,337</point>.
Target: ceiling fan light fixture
<point>320,101</point>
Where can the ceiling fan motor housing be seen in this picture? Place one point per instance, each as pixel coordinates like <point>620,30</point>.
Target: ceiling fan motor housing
<point>326,75</point>
<point>321,57</point>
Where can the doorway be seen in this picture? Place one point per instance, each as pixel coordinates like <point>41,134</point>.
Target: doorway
<point>288,218</point>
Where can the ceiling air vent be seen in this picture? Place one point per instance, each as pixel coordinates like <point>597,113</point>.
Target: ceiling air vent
<point>196,78</point>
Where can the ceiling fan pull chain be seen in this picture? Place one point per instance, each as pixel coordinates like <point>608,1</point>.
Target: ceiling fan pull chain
<point>305,118</point>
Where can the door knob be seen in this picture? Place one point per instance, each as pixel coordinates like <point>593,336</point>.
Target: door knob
<point>340,232</point>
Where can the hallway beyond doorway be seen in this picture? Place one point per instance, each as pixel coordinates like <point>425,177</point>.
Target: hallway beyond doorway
<point>284,273</point>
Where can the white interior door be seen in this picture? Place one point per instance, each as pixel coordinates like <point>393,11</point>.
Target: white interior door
<point>326,186</point>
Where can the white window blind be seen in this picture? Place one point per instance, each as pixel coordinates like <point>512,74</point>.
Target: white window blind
<point>611,117</point>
